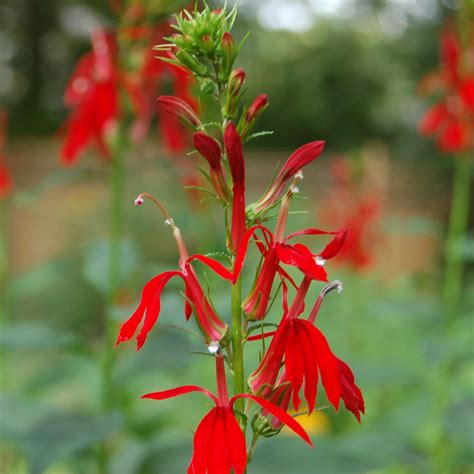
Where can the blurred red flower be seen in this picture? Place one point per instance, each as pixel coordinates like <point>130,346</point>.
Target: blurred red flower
<point>101,90</point>
<point>355,209</point>
<point>451,118</point>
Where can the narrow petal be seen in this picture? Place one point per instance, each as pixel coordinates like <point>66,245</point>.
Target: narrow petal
<point>215,266</point>
<point>178,391</point>
<point>277,413</point>
<point>294,365</point>
<point>327,365</point>
<point>310,366</point>
<point>202,446</point>
<point>334,246</point>
<point>236,445</point>
<point>154,307</point>
<point>129,327</point>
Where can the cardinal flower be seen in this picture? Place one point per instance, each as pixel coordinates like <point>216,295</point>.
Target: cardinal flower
<point>219,443</point>
<point>148,311</point>
<point>277,250</point>
<point>307,357</point>
<point>92,94</point>
<point>451,120</point>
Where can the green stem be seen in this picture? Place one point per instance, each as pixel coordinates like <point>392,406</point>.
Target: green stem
<point>458,221</point>
<point>237,346</point>
<point>109,399</point>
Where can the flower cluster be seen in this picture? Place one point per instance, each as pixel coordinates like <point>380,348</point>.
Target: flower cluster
<point>299,353</point>
<point>451,118</point>
<point>6,180</point>
<point>117,82</point>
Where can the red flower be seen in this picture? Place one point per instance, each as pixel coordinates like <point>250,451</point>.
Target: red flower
<point>219,443</point>
<point>298,160</point>
<point>148,311</point>
<point>451,120</point>
<point>92,93</point>
<point>307,356</point>
<point>233,147</point>
<point>274,253</point>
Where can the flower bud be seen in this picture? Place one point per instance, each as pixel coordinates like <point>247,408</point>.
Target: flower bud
<point>248,121</point>
<point>211,151</point>
<point>234,88</point>
<point>180,108</point>
<point>257,108</point>
<point>191,63</point>
<point>229,53</point>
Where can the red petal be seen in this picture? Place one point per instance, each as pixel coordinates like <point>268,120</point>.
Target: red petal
<point>310,366</point>
<point>294,364</point>
<point>154,307</point>
<point>299,159</point>
<point>236,446</point>
<point>278,413</point>
<point>178,391</point>
<point>242,250</point>
<point>202,446</point>
<point>351,394</point>
<point>310,231</point>
<point>301,257</point>
<point>208,148</point>
<point>335,246</point>
<point>327,364</point>
<point>214,265</point>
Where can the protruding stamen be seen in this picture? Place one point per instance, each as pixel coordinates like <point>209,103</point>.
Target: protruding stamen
<point>141,199</point>
<point>334,285</point>
<point>299,176</point>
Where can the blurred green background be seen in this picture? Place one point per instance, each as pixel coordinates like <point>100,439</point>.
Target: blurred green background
<point>345,71</point>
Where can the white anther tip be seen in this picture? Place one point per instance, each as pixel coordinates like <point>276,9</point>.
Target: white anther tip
<point>320,261</point>
<point>139,201</point>
<point>299,175</point>
<point>213,347</point>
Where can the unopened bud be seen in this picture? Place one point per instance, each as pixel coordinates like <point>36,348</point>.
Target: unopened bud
<point>191,63</point>
<point>234,88</point>
<point>247,122</point>
<point>180,109</point>
<point>257,107</point>
<point>229,53</point>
